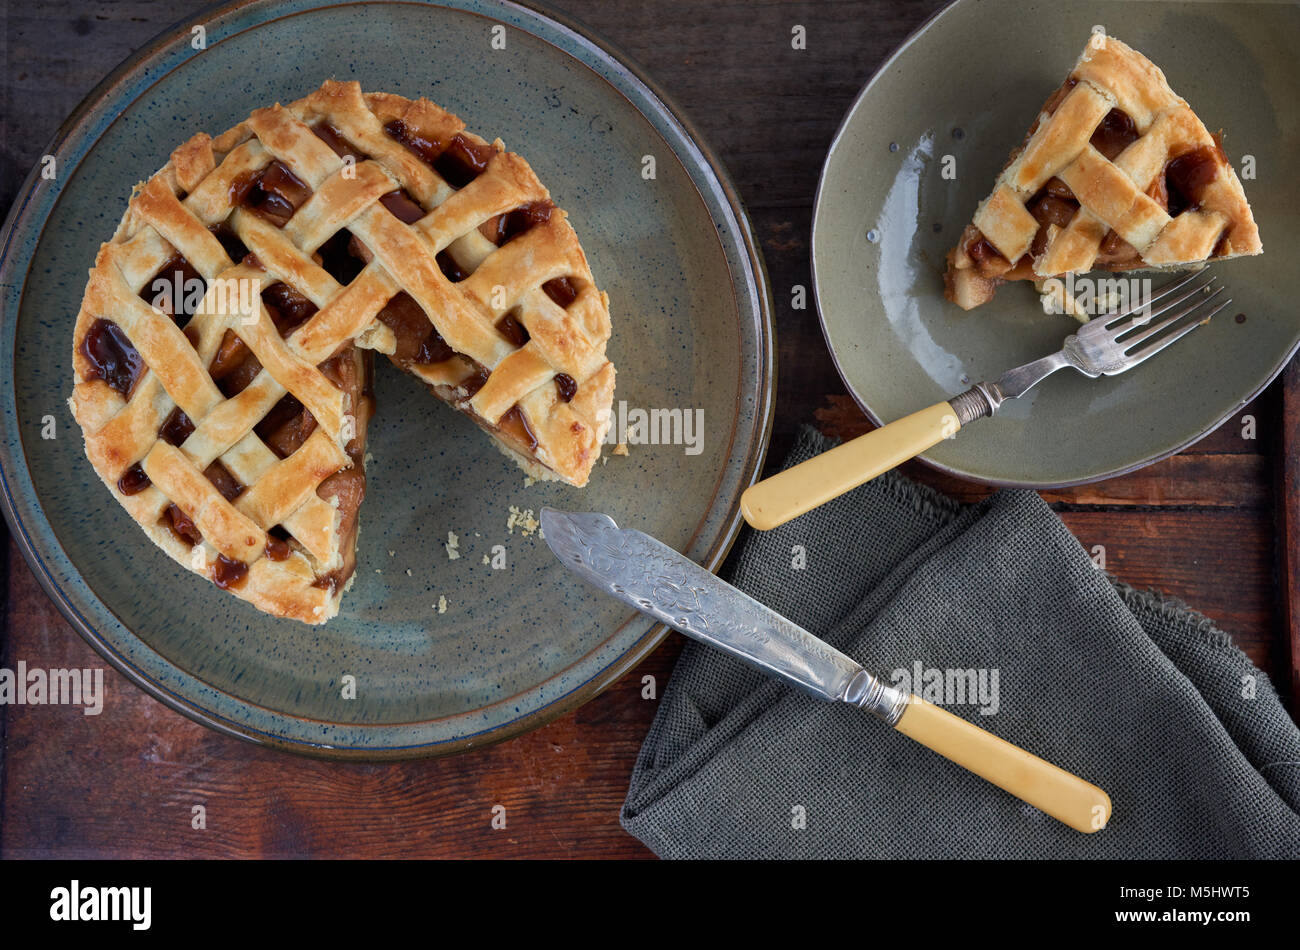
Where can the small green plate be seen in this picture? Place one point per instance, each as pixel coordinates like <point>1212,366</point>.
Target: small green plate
<point>517,646</point>
<point>967,85</point>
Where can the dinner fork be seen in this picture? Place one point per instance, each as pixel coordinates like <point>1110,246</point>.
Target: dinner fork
<point>1104,346</point>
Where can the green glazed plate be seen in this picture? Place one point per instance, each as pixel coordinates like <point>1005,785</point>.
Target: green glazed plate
<point>968,85</point>
<point>516,646</point>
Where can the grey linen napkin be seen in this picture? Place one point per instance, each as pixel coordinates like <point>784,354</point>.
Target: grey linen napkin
<point>1132,691</point>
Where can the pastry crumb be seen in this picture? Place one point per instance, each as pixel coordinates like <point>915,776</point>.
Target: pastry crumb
<point>452,546</point>
<point>408,572</point>
<point>1055,299</point>
<point>524,520</point>
<point>529,481</point>
<point>620,449</point>
<point>487,560</point>
<point>441,605</point>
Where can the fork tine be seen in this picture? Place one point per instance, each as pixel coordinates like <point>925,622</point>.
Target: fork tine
<point>1117,329</point>
<point>1151,329</point>
<point>1177,335</point>
<point>1164,290</point>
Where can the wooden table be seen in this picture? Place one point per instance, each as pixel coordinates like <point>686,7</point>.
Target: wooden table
<point>1203,526</point>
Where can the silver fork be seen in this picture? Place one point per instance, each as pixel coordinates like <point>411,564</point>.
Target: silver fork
<point>1104,346</point>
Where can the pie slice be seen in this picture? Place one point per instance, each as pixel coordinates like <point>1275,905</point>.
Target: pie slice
<point>1117,173</point>
<point>223,350</point>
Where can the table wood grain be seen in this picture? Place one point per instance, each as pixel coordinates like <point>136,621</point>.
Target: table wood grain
<point>1208,526</point>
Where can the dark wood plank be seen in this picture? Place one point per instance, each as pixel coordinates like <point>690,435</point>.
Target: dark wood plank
<point>1287,525</point>
<point>1216,560</point>
<point>1223,470</point>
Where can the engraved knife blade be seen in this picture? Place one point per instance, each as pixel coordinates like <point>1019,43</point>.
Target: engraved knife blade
<point>650,576</point>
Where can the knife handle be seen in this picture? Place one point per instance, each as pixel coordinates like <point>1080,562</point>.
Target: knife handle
<point>808,485</point>
<point>1067,798</point>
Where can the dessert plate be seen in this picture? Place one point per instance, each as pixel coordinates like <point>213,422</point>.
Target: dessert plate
<point>460,628</point>
<point>886,215</point>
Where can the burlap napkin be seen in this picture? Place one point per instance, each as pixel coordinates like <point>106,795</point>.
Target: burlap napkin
<point>1132,691</point>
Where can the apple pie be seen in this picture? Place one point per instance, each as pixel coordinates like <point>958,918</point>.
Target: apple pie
<point>223,350</point>
<point>1117,173</point>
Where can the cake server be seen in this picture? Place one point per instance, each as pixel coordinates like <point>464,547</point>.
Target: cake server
<point>1104,346</point>
<point>655,579</point>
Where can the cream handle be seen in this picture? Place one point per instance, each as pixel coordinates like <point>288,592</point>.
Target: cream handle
<point>1068,798</point>
<point>774,501</point>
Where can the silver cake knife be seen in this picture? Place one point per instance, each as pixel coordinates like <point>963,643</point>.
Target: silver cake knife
<point>655,579</point>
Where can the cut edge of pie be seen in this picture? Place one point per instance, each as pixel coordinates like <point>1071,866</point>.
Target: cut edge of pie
<point>1117,173</point>
<point>374,223</point>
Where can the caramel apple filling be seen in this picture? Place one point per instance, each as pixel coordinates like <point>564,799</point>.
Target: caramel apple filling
<point>176,428</point>
<point>181,525</point>
<point>277,544</point>
<point>331,137</point>
<point>461,161</point>
<point>514,331</point>
<point>228,574</point>
<point>503,228</point>
<point>274,192</point>
<point>286,427</point>
<point>225,482</point>
<point>402,206</point>
<point>1117,132</point>
<point>418,341</point>
<point>111,357</point>
<point>230,242</point>
<point>340,257</point>
<point>133,480</point>
<point>566,386</point>
<point>176,289</point>
<point>1186,177</point>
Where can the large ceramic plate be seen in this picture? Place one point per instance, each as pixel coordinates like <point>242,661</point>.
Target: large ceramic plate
<point>517,646</point>
<point>968,85</point>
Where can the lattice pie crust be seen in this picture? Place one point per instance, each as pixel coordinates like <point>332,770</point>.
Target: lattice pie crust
<point>371,222</point>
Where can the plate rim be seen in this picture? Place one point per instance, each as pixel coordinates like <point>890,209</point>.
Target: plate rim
<point>754,282</point>
<point>871,414</point>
